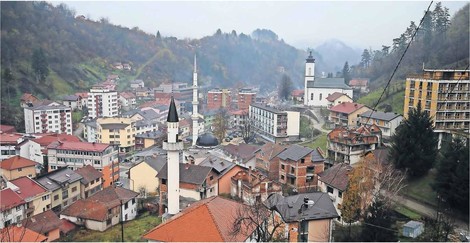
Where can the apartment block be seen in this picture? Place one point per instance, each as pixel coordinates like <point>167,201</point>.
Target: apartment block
<point>48,117</point>
<point>346,114</point>
<point>218,98</point>
<point>75,155</point>
<point>444,94</point>
<point>117,131</point>
<point>274,125</point>
<point>102,102</point>
<point>246,97</point>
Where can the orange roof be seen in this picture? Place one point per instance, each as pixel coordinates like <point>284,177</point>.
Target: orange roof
<point>334,96</point>
<point>239,112</point>
<point>9,138</point>
<point>20,234</point>
<point>28,97</point>
<point>7,128</point>
<point>82,94</point>
<point>358,82</point>
<point>81,146</point>
<point>127,95</point>
<point>16,162</point>
<point>297,92</point>
<point>218,215</point>
<point>346,107</point>
<point>48,139</point>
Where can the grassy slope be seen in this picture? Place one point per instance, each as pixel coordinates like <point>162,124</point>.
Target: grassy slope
<point>320,141</point>
<point>395,99</point>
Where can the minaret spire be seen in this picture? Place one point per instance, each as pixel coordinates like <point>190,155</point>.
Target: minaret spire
<point>195,115</point>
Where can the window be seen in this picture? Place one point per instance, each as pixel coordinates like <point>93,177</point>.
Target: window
<point>311,96</point>
<point>74,189</point>
<point>302,161</point>
<point>340,194</point>
<point>282,167</point>
<point>44,198</point>
<point>211,178</point>
<point>282,177</point>
<point>20,169</point>
<point>18,208</point>
<point>164,181</point>
<point>303,231</point>
<point>320,96</point>
<point>133,200</point>
<point>108,222</point>
<point>126,206</point>
<point>56,197</point>
<point>292,170</point>
<point>97,162</point>
<point>329,189</point>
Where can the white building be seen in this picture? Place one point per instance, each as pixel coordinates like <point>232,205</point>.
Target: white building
<point>318,89</point>
<point>386,121</point>
<point>48,117</point>
<point>273,124</point>
<point>102,102</point>
<point>8,143</point>
<point>89,131</point>
<point>12,209</point>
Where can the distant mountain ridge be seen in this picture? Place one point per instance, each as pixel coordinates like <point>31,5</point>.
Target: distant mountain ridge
<point>335,53</point>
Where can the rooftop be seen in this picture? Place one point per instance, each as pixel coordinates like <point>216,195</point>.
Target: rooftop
<point>89,174</point>
<point>48,139</point>
<point>16,162</point>
<point>9,138</point>
<point>267,108</point>
<point>346,107</point>
<point>191,174</point>
<point>295,152</point>
<point>27,187</point>
<point>81,146</point>
<point>330,83</point>
<point>10,199</point>
<point>385,116</point>
<point>334,96</point>
<point>14,233</point>
<point>336,176</point>
<point>55,179</point>
<point>43,223</point>
<point>242,150</point>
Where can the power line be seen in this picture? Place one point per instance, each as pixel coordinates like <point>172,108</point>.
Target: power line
<point>399,62</point>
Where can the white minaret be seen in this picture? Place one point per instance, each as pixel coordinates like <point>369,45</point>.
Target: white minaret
<point>195,115</point>
<point>309,75</point>
<point>173,145</point>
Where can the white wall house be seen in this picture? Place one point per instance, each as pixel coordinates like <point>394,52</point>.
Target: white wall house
<point>48,118</point>
<point>386,121</point>
<point>31,150</point>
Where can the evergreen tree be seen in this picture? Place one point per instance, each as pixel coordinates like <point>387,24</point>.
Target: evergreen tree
<point>366,58</point>
<point>452,182</point>
<point>378,223</point>
<point>285,87</point>
<point>40,65</point>
<point>346,73</point>
<point>414,144</point>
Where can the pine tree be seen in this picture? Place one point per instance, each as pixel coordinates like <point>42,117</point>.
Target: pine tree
<point>414,144</point>
<point>40,65</point>
<point>346,73</point>
<point>285,87</point>
<point>366,58</point>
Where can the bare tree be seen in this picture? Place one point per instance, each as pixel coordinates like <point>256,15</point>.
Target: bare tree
<point>247,130</point>
<point>258,219</point>
<point>389,183</point>
<point>221,124</point>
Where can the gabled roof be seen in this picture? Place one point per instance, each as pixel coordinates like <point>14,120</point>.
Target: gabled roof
<point>28,97</point>
<point>317,155</point>
<point>48,139</point>
<point>297,92</point>
<point>385,116</point>
<point>156,162</point>
<point>7,129</point>
<point>330,83</point>
<point>358,82</point>
<point>127,95</point>
<point>14,233</point>
<point>16,162</point>
<point>81,146</point>
<point>209,220</point>
<point>292,208</point>
<point>9,138</point>
<point>27,187</point>
<point>295,152</point>
<point>346,107</point>
<point>336,95</point>
<point>191,174</point>
<point>242,150</point>
<point>55,179</point>
<point>336,176</point>
<point>71,98</point>
<point>218,164</point>
<point>89,174</point>
<point>10,199</point>
<point>43,223</point>
<point>270,150</point>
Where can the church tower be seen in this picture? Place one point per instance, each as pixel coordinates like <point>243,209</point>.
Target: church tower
<point>195,115</point>
<point>309,75</point>
<point>173,145</point>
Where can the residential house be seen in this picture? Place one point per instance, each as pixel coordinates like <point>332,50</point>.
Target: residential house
<point>36,196</point>
<point>218,215</point>
<point>74,155</point>
<point>137,83</point>
<point>127,100</point>
<point>185,127</point>
<point>16,167</point>
<point>224,170</point>
<point>196,181</point>
<point>46,223</point>
<point>244,154</point>
<point>144,93</point>
<point>348,145</point>
<point>16,233</point>
<point>104,209</point>
<point>74,102</point>
<point>7,129</point>
<point>251,186</point>
<point>337,98</point>
<point>239,118</point>
<point>143,176</point>
<point>89,131</point>
<point>334,181</point>
<point>386,121</point>
<point>146,119</point>
<point>148,139</point>
<point>12,208</point>
<point>346,114</point>
<point>360,85</point>
<point>8,143</point>
<point>267,161</point>
<point>307,217</point>
<point>28,98</point>
<point>64,186</point>
<point>46,117</point>
<point>91,182</point>
<point>182,92</point>
<point>298,95</point>
<point>84,98</point>
<point>299,167</point>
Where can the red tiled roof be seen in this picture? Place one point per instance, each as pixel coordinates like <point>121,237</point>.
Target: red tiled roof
<point>298,92</point>
<point>334,96</point>
<point>43,222</point>
<point>346,107</point>
<point>81,146</point>
<point>44,141</point>
<point>66,226</point>
<point>218,215</point>
<point>28,97</point>
<point>20,234</point>
<point>9,138</point>
<point>7,129</point>
<point>27,187</point>
<point>185,122</point>
<point>127,95</point>
<point>82,94</point>
<point>9,199</point>
<point>358,82</point>
<point>16,162</point>
<point>239,112</point>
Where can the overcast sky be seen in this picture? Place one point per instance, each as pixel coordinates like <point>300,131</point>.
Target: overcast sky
<point>361,24</point>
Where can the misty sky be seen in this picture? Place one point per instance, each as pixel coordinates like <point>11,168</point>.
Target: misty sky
<point>308,23</point>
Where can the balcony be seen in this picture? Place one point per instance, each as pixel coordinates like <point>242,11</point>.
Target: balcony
<point>173,146</point>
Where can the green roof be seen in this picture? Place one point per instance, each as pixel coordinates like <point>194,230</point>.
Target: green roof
<point>328,83</point>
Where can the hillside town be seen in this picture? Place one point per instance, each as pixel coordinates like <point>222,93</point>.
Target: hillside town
<point>231,164</point>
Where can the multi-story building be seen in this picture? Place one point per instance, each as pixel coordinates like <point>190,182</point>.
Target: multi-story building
<point>12,208</point>
<point>348,145</point>
<point>8,143</point>
<point>299,167</point>
<point>36,196</point>
<point>444,94</point>
<point>74,155</point>
<point>274,125</point>
<point>16,167</point>
<point>102,102</point>
<point>64,186</point>
<point>180,91</point>
<point>48,117</point>
<point>218,98</point>
<point>346,114</point>
<point>238,118</point>
<point>251,186</point>
<point>387,121</point>
<point>91,182</point>
<point>246,97</point>
<point>117,131</point>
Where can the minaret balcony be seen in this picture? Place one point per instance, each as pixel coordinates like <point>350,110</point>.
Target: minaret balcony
<point>173,146</point>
